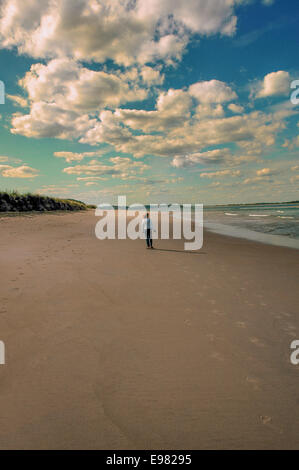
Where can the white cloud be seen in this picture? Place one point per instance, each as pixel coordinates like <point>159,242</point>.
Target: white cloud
<point>151,76</point>
<point>294,179</point>
<point>213,91</point>
<point>73,87</point>
<point>250,133</point>
<point>91,178</point>
<point>217,174</point>
<point>65,97</point>
<point>236,108</point>
<point>121,167</point>
<point>125,31</point>
<point>211,156</point>
<point>175,127</point>
<point>23,171</point>
<point>209,110</point>
<point>291,144</point>
<point>262,176</point>
<point>274,84</point>
<point>172,110</point>
<point>264,172</point>
<point>49,120</point>
<point>77,157</point>
<point>257,179</point>
<point>18,100</point>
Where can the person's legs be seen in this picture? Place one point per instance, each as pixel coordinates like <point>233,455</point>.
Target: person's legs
<point>148,237</point>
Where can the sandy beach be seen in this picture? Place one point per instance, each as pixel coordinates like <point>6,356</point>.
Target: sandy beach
<point>112,346</point>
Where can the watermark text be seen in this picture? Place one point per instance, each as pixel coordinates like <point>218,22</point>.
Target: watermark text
<point>187,222</point>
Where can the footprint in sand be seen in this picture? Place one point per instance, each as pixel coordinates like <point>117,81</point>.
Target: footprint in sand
<point>285,314</point>
<point>290,330</point>
<point>220,314</point>
<point>211,336</point>
<point>256,341</point>
<point>217,356</point>
<point>265,419</point>
<point>254,382</point>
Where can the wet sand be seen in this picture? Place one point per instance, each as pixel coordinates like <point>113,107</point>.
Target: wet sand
<point>112,346</point>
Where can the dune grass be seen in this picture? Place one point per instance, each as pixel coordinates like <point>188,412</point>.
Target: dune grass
<point>13,201</point>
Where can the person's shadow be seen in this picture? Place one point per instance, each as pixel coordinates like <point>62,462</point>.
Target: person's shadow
<point>182,251</point>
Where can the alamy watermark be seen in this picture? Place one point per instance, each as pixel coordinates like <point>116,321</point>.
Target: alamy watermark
<point>187,222</point>
<point>2,353</point>
<point>294,358</point>
<point>295,93</point>
<point>2,92</point>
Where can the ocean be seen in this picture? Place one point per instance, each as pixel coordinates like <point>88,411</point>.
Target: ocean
<point>276,224</point>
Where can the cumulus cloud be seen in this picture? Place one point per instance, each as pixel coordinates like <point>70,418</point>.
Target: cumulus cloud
<point>49,120</point>
<point>264,172</point>
<point>23,171</point>
<point>65,97</point>
<point>151,76</point>
<point>62,94</point>
<point>211,156</point>
<point>172,110</point>
<point>18,100</point>
<point>125,31</point>
<point>262,176</point>
<point>77,157</point>
<point>65,105</point>
<point>122,167</point>
<point>213,91</point>
<point>236,108</point>
<point>291,143</point>
<point>73,87</point>
<point>250,133</point>
<point>217,174</point>
<point>274,84</point>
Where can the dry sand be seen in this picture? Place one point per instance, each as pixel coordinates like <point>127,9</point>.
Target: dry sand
<point>112,346</point>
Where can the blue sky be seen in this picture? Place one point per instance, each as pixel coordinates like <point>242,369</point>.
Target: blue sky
<point>165,101</point>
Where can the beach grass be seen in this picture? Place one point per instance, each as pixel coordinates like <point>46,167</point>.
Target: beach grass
<point>14,201</point>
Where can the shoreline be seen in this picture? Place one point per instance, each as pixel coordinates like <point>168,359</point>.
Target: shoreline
<point>253,235</point>
<point>212,227</point>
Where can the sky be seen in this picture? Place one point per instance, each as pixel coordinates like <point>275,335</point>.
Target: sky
<point>164,101</point>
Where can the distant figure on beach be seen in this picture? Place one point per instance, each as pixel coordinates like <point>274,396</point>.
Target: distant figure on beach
<point>147,228</point>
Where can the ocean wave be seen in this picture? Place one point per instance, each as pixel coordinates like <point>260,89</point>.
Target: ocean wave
<point>259,215</point>
<point>242,232</point>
